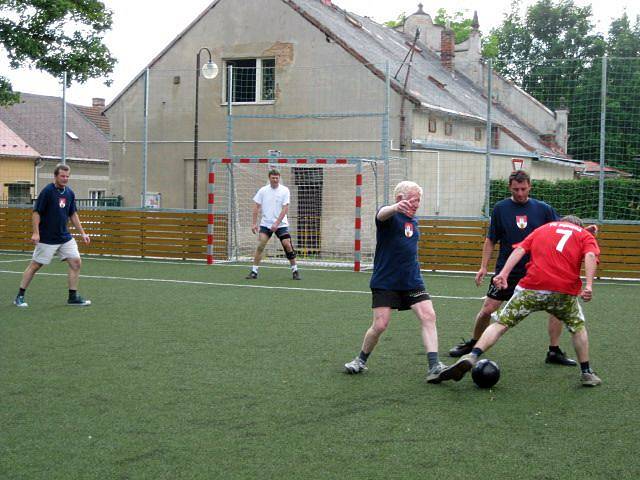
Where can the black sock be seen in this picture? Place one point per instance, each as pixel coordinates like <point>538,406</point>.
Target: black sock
<point>364,356</point>
<point>584,367</point>
<point>433,359</point>
<point>477,351</point>
<point>21,291</point>
<point>555,349</point>
<point>72,294</point>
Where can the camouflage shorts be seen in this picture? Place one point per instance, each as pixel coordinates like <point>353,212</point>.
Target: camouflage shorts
<point>524,302</point>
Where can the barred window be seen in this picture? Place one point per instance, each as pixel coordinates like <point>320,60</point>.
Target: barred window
<point>253,80</point>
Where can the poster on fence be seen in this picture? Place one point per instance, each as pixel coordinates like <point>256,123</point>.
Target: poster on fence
<point>152,200</point>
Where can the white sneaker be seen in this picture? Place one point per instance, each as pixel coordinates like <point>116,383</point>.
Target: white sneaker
<point>355,366</point>
<point>19,301</point>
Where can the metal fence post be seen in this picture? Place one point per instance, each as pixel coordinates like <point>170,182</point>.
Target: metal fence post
<point>487,175</point>
<point>145,141</point>
<point>385,133</point>
<point>63,143</point>
<point>603,120</point>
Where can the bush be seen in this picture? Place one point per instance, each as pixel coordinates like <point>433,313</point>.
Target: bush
<point>580,197</point>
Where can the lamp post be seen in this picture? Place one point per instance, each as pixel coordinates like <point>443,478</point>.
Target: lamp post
<point>209,71</point>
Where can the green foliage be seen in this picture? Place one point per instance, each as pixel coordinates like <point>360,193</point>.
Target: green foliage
<point>398,22</point>
<point>55,36</point>
<point>580,197</point>
<point>458,23</point>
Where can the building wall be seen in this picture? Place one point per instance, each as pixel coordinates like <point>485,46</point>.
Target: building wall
<point>14,170</point>
<point>84,176</point>
<point>308,81</point>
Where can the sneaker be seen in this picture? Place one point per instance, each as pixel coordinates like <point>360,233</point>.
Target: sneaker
<point>355,366</point>
<point>78,301</point>
<point>458,370</point>
<point>464,347</point>
<point>433,375</point>
<point>590,379</point>
<point>19,301</point>
<point>296,275</point>
<point>252,275</point>
<point>560,359</point>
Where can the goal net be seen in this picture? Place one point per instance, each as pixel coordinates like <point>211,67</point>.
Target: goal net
<point>331,215</point>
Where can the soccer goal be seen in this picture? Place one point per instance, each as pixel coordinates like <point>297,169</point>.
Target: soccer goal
<point>331,215</point>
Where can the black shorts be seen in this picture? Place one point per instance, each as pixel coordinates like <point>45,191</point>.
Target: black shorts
<point>280,232</point>
<point>507,293</point>
<point>398,299</point>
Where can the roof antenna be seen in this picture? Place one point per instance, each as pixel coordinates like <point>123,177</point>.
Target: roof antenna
<point>410,52</point>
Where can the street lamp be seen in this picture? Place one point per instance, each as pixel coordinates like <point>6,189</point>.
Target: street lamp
<point>209,71</point>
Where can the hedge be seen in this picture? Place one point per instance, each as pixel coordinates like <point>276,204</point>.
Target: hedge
<point>580,197</point>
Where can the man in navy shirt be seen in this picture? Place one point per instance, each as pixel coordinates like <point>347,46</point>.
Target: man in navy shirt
<point>512,220</point>
<point>396,282</point>
<point>55,206</point>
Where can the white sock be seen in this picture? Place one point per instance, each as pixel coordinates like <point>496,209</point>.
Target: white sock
<point>254,269</point>
<point>294,268</point>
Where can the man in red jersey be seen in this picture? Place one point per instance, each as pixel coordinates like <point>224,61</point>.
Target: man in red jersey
<point>552,284</point>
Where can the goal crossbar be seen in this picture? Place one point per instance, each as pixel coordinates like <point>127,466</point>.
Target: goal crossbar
<point>291,161</point>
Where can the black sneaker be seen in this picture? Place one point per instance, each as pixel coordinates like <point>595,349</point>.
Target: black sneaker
<point>252,275</point>
<point>78,301</point>
<point>559,358</point>
<point>464,347</point>
<point>296,275</point>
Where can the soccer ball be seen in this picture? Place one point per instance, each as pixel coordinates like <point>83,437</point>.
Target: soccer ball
<point>485,373</point>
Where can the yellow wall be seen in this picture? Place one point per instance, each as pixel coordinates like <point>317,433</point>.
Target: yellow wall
<point>13,170</point>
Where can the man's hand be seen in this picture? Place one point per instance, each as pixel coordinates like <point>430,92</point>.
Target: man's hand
<point>406,207</point>
<point>86,239</point>
<point>500,282</point>
<point>254,229</point>
<point>35,238</point>
<point>480,276</point>
<point>586,294</point>
<point>274,227</point>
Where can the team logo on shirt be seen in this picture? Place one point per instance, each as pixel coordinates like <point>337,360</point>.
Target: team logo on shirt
<point>521,221</point>
<point>408,230</point>
<point>62,202</point>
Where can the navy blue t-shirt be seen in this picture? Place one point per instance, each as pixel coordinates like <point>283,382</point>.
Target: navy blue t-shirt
<point>395,265</point>
<point>55,206</point>
<point>511,222</point>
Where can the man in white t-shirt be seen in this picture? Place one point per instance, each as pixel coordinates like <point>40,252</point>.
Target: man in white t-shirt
<point>273,200</point>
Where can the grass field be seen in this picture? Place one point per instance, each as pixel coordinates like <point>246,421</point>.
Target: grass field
<point>182,371</point>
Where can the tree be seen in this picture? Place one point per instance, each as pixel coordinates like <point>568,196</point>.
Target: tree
<point>461,26</point>
<point>55,36</point>
<point>398,22</point>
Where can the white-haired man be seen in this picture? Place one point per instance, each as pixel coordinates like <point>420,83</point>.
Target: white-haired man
<point>396,283</point>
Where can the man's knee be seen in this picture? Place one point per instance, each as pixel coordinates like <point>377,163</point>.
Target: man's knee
<point>74,263</point>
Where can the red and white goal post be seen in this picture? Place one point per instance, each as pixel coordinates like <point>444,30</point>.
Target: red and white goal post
<point>331,215</point>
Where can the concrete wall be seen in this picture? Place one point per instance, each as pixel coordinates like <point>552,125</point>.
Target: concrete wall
<point>307,81</point>
<point>84,176</point>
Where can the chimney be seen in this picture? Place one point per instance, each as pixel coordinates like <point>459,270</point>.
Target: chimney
<point>447,48</point>
<point>327,3</point>
<point>98,102</point>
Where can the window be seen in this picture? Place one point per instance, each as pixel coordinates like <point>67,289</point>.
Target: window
<point>95,196</point>
<point>253,80</point>
<point>495,137</point>
<point>72,135</point>
<point>478,134</point>
<point>448,129</point>
<point>432,125</point>
<point>18,193</point>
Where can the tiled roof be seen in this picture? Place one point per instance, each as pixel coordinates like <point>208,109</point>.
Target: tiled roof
<point>95,116</point>
<point>13,146</point>
<point>38,119</point>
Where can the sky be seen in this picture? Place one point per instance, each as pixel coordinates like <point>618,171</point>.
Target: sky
<point>142,28</point>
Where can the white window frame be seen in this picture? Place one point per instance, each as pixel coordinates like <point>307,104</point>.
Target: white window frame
<point>258,92</point>
<point>93,201</point>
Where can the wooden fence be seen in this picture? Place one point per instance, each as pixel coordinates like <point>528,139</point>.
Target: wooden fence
<point>454,245</point>
<point>457,245</point>
<point>136,233</point>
